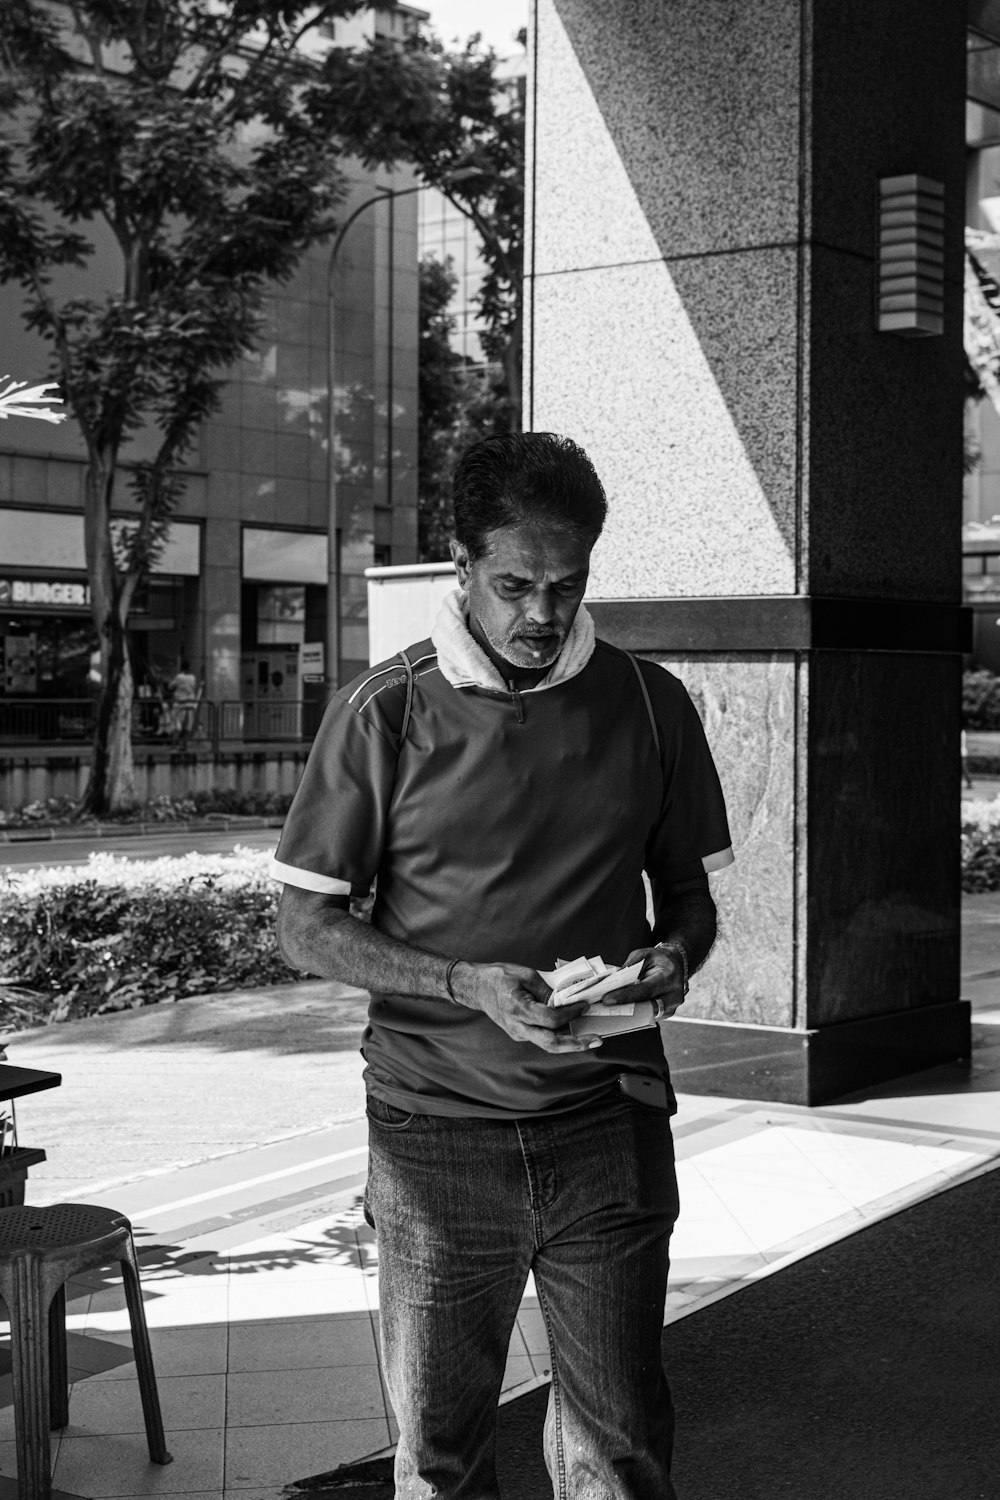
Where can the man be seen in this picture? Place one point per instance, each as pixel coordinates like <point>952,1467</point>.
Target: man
<point>508,816</point>
<point>184,701</point>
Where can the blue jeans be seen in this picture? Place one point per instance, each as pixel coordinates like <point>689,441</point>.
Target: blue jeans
<point>463,1209</point>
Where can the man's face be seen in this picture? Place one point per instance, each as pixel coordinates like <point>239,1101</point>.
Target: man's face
<point>524,592</point>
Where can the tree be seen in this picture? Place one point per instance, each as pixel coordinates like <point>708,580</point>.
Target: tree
<point>179,129</point>
<point>439,383</point>
<point>458,404</point>
<point>460,122</point>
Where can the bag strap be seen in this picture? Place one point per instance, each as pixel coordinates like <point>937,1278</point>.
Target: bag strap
<point>408,706</point>
<point>408,667</point>
<point>645,698</point>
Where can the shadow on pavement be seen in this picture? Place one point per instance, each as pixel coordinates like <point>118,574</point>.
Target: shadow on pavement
<point>870,1369</point>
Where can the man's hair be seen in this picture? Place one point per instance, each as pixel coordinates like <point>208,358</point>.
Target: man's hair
<point>527,478</point>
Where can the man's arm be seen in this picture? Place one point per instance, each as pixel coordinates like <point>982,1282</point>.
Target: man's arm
<point>685,914</point>
<point>318,934</point>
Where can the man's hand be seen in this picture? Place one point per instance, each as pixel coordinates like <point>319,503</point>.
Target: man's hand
<point>515,998</point>
<point>662,979</point>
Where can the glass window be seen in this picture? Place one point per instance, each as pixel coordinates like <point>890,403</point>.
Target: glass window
<point>284,556</point>
<point>54,539</point>
<point>281,615</point>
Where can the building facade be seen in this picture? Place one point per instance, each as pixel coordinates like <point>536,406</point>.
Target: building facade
<point>981,509</point>
<point>289,496</point>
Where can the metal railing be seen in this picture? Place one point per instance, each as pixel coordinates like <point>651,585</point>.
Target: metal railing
<point>205,724</point>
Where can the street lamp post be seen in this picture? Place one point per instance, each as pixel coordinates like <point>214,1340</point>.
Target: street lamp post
<point>333,548</point>
<point>333,534</point>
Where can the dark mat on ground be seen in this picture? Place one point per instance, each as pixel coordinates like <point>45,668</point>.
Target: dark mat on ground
<point>870,1369</point>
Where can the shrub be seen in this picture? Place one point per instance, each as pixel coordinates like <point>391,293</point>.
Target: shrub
<point>981,846</point>
<point>983,765</point>
<point>241,804</point>
<point>980,700</point>
<point>116,934</point>
<point>62,811</point>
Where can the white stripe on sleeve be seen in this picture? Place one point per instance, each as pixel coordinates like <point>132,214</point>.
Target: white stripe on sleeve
<point>718,861</point>
<point>323,885</point>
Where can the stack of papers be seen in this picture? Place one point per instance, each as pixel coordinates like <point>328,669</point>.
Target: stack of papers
<point>589,979</point>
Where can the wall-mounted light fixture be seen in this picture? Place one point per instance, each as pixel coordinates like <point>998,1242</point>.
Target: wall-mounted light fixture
<point>910,255</point>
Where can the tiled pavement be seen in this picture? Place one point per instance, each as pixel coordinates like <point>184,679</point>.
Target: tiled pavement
<point>261,1280</point>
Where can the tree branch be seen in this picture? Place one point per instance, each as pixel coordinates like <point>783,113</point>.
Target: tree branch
<point>90,37</point>
<point>65,353</point>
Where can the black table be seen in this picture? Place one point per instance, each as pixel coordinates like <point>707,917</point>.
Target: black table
<point>14,1163</point>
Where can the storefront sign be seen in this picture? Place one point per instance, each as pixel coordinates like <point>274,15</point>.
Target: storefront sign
<point>311,661</point>
<point>35,592</point>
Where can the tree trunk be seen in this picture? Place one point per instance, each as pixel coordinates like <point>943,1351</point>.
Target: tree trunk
<point>111,788</point>
<point>512,372</point>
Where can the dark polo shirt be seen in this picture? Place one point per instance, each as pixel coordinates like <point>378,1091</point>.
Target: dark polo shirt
<point>506,827</point>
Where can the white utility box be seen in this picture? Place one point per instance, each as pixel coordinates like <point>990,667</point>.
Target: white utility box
<point>403,604</point>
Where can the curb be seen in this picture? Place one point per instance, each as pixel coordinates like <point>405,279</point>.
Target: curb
<point>47,832</point>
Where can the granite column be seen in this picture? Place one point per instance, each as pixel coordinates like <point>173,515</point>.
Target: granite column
<point>785,481</point>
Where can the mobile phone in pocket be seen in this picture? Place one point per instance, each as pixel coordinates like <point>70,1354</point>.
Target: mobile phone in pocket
<point>645,1090</point>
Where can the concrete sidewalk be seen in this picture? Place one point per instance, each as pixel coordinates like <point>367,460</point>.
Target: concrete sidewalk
<point>260,1276</point>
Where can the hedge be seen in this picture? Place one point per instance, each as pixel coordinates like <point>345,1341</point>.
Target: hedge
<point>63,811</point>
<point>981,846</point>
<point>980,700</point>
<point>116,934</point>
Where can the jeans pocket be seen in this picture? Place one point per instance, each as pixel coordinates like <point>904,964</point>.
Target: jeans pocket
<point>387,1116</point>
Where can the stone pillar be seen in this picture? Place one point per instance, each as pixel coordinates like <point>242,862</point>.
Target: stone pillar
<point>785,484</point>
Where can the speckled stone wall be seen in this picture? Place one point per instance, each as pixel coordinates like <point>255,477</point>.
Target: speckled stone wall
<point>844,898</point>
<point>620,358</point>
<point>702,270</point>
<point>701,289</point>
<point>748,706</point>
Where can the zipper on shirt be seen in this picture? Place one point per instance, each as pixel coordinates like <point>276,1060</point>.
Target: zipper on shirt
<point>518,705</point>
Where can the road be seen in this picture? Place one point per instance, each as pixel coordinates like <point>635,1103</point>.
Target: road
<point>34,855</point>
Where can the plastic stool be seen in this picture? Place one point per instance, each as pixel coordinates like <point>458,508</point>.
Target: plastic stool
<point>40,1249</point>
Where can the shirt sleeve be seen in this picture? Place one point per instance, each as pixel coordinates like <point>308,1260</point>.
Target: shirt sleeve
<point>692,835</point>
<point>333,836</point>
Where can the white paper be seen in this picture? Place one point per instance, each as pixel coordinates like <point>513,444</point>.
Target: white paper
<point>579,987</point>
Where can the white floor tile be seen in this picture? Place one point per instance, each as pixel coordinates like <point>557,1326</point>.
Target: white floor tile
<point>182,1351</point>
<point>327,1298</point>
<point>264,1397</point>
<point>115,1406</point>
<point>302,1344</point>
<point>182,1313</point>
<point>289,1451</point>
<point>120,1465</point>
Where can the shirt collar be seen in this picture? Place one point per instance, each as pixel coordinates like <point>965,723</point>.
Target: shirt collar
<point>464,663</point>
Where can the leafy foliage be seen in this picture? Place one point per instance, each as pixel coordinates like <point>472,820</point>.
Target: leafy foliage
<point>458,405</point>
<point>459,120</point>
<point>981,846</point>
<point>176,132</point>
<point>220,801</point>
<point>118,934</point>
<point>980,700</point>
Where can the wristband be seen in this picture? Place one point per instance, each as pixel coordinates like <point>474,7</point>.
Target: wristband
<point>447,980</point>
<point>673,946</point>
